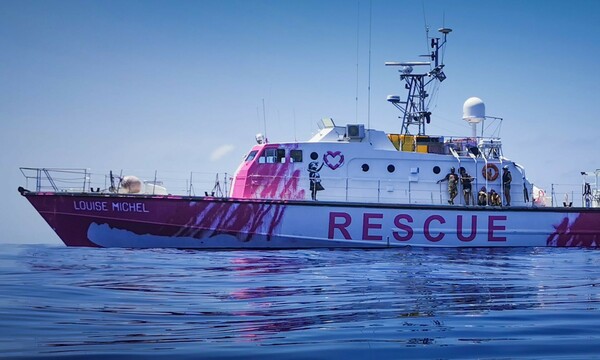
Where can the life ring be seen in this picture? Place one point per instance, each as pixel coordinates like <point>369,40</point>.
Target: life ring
<point>490,172</point>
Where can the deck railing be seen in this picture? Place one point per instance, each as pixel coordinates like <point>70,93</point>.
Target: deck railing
<point>394,191</point>
<point>566,195</point>
<point>56,179</point>
<point>84,181</point>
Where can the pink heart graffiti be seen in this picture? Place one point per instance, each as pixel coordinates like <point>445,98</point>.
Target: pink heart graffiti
<point>333,159</point>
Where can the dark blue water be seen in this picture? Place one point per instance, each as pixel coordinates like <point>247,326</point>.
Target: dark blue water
<point>344,304</point>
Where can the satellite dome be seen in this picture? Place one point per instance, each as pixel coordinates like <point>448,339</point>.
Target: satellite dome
<point>474,110</point>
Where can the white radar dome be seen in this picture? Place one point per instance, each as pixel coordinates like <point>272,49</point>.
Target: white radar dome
<point>474,110</point>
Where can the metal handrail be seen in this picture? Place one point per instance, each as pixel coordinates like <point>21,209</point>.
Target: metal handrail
<point>82,180</point>
<point>44,175</point>
<point>350,188</point>
<point>344,188</point>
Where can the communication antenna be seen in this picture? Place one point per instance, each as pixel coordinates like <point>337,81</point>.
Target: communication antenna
<point>474,113</point>
<point>369,88</point>
<point>295,140</point>
<point>265,119</point>
<point>426,26</point>
<point>357,52</point>
<point>415,112</point>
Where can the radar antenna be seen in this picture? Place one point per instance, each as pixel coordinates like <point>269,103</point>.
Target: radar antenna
<point>414,110</point>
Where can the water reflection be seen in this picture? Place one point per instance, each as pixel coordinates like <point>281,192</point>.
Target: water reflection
<point>402,285</point>
<point>414,297</point>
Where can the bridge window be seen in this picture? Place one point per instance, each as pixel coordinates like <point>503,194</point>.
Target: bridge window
<point>272,156</point>
<point>267,156</point>
<point>252,155</point>
<point>296,156</point>
<point>280,156</point>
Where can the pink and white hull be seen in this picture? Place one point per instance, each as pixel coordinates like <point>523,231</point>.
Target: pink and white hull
<point>214,223</point>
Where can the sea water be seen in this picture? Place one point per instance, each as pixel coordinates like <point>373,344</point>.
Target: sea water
<point>305,304</point>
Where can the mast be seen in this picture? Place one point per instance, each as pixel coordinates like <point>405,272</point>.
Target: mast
<point>414,110</point>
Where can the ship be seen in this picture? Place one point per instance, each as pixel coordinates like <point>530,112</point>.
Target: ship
<point>349,186</point>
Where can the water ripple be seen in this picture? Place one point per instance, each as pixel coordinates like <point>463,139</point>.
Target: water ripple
<point>414,303</point>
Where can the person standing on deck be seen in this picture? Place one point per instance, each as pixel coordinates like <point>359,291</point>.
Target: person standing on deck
<point>452,179</point>
<point>466,180</point>
<point>506,180</point>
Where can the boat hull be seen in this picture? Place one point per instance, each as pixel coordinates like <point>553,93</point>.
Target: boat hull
<point>129,221</point>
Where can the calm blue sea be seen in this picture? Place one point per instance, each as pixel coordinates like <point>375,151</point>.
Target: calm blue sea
<point>307,304</point>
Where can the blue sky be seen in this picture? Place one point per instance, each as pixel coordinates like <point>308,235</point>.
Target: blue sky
<point>157,85</point>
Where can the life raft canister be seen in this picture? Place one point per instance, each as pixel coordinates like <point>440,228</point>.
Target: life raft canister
<point>490,172</point>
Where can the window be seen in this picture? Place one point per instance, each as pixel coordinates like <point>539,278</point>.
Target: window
<point>272,156</point>
<point>391,168</point>
<point>280,156</point>
<point>365,167</point>
<point>252,155</point>
<point>296,156</point>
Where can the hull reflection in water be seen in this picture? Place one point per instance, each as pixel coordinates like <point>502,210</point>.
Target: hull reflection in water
<point>415,303</point>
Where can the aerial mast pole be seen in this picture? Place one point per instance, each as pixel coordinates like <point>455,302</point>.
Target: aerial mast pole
<point>414,110</point>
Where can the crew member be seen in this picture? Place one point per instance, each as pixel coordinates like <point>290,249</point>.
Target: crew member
<point>506,180</point>
<point>466,180</point>
<point>482,197</point>
<point>452,179</point>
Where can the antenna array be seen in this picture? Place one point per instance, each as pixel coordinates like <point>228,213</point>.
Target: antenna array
<point>414,109</point>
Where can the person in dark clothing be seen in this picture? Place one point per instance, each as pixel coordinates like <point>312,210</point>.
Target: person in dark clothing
<point>482,197</point>
<point>506,180</point>
<point>587,194</point>
<point>452,179</point>
<point>315,178</point>
<point>466,180</point>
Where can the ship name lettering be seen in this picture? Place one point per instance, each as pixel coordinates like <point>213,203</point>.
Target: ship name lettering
<point>404,227</point>
<point>104,206</point>
<point>83,205</point>
<point>138,207</point>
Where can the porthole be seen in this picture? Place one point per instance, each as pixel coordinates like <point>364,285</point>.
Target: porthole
<point>391,168</point>
<point>314,155</point>
<point>436,170</point>
<point>365,167</point>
